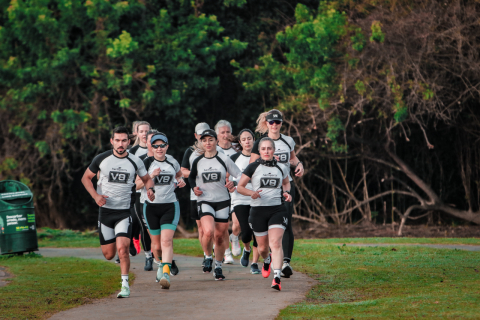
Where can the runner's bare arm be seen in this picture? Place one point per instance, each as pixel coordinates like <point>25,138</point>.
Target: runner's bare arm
<point>286,189</point>
<point>242,184</point>
<point>295,162</point>
<point>87,183</point>
<point>148,182</point>
<point>185,172</point>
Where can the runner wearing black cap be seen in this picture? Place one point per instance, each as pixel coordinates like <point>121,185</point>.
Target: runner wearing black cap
<point>113,195</point>
<point>189,156</point>
<point>208,181</point>
<point>268,215</point>
<point>241,203</point>
<point>271,122</point>
<point>162,214</point>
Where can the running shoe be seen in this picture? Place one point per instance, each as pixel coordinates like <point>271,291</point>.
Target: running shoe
<point>276,284</point>
<point>124,293</point>
<point>174,269</point>
<point>254,269</point>
<point>159,273</point>
<point>133,250</point>
<point>228,257</point>
<point>208,266</point>
<point>165,281</point>
<point>148,264</point>
<point>236,250</point>
<point>218,274</point>
<point>117,260</point>
<point>266,268</point>
<point>204,258</point>
<point>245,258</point>
<point>136,244</point>
<point>287,270</point>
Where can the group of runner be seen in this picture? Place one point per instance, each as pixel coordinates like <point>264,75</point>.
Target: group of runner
<point>236,178</point>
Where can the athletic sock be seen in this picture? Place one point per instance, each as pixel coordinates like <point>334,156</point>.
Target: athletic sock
<point>246,250</point>
<point>277,273</point>
<point>228,251</point>
<point>208,257</point>
<point>125,281</point>
<point>234,237</point>
<point>148,254</point>
<point>167,267</point>
<point>159,263</point>
<point>267,260</point>
<point>218,264</point>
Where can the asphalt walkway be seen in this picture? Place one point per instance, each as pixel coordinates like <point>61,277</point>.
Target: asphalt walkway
<point>192,295</point>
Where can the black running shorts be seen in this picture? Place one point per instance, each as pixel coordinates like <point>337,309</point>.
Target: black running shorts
<point>194,210</point>
<point>161,216</point>
<point>114,223</point>
<point>264,218</point>
<point>220,211</point>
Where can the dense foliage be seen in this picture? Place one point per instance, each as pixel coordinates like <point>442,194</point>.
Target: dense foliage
<point>382,97</point>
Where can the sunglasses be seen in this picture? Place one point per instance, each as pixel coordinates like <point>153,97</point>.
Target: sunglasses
<point>156,146</point>
<point>271,122</point>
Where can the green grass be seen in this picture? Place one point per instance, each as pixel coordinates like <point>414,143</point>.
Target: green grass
<point>42,286</point>
<point>67,238</point>
<point>386,283</point>
<point>466,241</point>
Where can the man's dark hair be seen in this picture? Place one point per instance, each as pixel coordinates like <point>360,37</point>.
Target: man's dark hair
<point>120,129</point>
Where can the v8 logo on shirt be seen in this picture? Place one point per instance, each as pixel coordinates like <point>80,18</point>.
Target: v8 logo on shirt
<point>282,157</point>
<point>269,182</point>
<point>163,179</point>
<point>211,177</point>
<point>118,177</point>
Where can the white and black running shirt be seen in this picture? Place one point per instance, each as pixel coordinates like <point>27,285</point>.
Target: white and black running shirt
<point>139,152</point>
<point>269,180</point>
<point>117,178</point>
<point>209,174</point>
<point>165,181</point>
<point>229,152</point>
<point>283,146</point>
<point>189,156</point>
<point>241,161</point>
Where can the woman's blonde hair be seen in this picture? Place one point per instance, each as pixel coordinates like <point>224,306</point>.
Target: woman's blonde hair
<point>138,124</point>
<point>262,121</point>
<point>198,147</point>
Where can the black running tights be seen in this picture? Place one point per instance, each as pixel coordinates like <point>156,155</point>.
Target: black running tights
<point>243,212</point>
<point>287,241</point>
<point>141,226</point>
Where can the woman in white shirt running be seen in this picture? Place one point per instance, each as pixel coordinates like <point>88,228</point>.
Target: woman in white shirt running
<point>268,215</point>
<point>208,181</point>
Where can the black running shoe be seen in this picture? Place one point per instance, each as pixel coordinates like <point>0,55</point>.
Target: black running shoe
<point>218,274</point>
<point>117,260</point>
<point>203,262</point>
<point>148,264</point>
<point>245,258</point>
<point>174,269</point>
<point>287,270</point>
<point>208,266</point>
<point>133,251</point>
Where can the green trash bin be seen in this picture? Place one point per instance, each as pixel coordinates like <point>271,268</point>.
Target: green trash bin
<point>18,232</point>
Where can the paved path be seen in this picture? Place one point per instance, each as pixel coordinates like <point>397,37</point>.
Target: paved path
<point>435,246</point>
<point>193,295</point>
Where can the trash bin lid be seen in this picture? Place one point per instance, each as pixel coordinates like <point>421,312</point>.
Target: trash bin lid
<point>11,190</point>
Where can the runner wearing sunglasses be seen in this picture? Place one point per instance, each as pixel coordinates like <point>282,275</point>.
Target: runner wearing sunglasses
<point>162,214</point>
<point>269,124</point>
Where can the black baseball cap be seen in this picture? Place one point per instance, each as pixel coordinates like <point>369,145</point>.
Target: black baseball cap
<point>208,133</point>
<point>274,115</point>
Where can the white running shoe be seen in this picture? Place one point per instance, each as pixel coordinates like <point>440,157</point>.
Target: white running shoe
<point>228,257</point>
<point>236,250</point>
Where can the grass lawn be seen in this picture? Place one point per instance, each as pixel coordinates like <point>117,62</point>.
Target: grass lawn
<point>386,283</point>
<point>67,238</point>
<point>42,286</point>
<point>466,241</point>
